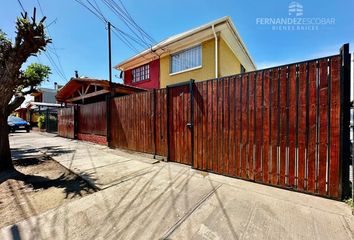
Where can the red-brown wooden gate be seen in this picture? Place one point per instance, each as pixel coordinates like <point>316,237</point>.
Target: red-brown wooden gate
<point>66,122</point>
<point>286,126</point>
<point>180,123</point>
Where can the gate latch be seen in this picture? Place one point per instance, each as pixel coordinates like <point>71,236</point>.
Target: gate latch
<point>189,125</point>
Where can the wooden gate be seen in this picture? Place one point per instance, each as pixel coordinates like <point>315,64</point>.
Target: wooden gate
<point>180,123</point>
<point>92,118</point>
<point>285,126</point>
<point>66,122</point>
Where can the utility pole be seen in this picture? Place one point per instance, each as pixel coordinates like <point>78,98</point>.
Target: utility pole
<point>110,95</point>
<point>109,55</point>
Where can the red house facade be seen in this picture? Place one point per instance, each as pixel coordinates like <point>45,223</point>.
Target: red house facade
<point>145,76</point>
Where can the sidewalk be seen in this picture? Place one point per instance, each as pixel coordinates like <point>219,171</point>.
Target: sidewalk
<point>101,166</point>
<point>145,200</point>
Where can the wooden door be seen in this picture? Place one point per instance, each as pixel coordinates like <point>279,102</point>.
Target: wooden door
<point>180,124</point>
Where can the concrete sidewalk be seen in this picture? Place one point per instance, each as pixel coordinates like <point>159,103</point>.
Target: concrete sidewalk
<point>101,166</point>
<point>142,200</point>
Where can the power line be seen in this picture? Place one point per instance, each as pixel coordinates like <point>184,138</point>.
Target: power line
<point>59,69</point>
<point>149,36</point>
<point>123,36</point>
<point>114,7</point>
<point>93,12</point>
<point>19,2</point>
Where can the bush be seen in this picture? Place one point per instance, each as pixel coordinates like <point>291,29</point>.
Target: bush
<point>41,121</point>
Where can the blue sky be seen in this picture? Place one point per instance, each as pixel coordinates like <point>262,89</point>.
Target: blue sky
<point>80,38</point>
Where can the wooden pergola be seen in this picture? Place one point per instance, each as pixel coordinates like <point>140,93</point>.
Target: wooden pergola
<point>87,90</point>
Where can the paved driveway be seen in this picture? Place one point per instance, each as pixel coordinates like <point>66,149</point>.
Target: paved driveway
<point>142,199</point>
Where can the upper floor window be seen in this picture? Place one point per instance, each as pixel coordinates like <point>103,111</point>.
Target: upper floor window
<point>141,73</point>
<point>186,59</point>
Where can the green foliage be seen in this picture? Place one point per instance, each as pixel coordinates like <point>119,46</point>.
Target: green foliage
<point>350,202</point>
<point>41,121</point>
<point>35,74</point>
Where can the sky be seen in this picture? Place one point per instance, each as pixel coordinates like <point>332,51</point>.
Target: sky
<point>80,38</point>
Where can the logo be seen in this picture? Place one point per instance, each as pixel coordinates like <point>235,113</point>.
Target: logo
<point>296,9</point>
<point>295,21</point>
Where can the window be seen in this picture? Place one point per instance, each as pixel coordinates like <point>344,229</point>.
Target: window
<point>243,69</point>
<point>186,59</point>
<point>141,73</point>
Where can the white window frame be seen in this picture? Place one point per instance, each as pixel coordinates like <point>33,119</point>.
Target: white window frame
<point>188,69</point>
<point>141,73</point>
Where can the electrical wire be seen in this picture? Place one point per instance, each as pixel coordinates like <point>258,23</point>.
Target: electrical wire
<point>19,2</point>
<point>51,49</point>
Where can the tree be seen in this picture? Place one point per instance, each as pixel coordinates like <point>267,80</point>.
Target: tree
<point>14,83</point>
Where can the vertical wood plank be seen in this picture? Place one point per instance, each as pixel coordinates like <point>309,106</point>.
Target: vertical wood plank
<point>292,125</point>
<point>323,127</point>
<point>335,128</point>
<point>282,126</point>
<point>259,127</point>
<point>311,148</point>
<point>266,126</point>
<point>274,144</point>
<point>251,126</point>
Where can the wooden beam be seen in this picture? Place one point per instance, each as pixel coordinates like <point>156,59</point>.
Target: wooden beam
<point>87,88</point>
<point>93,94</point>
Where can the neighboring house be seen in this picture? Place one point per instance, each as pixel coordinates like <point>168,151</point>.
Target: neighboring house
<point>45,95</point>
<point>43,102</point>
<point>210,51</point>
<point>88,90</point>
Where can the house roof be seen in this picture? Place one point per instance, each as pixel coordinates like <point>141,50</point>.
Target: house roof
<point>65,94</point>
<point>179,41</point>
<point>41,90</point>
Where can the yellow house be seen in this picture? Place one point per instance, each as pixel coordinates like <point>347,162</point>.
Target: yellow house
<point>210,51</point>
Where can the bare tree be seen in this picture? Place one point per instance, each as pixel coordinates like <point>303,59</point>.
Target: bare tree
<point>14,83</point>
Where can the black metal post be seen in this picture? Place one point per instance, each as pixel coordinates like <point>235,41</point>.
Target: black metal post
<point>352,118</point>
<point>168,121</point>
<point>345,120</point>
<point>46,120</point>
<point>191,86</point>
<point>154,119</point>
<point>108,98</point>
<point>109,53</point>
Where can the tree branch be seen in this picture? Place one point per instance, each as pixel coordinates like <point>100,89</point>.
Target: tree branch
<point>15,104</point>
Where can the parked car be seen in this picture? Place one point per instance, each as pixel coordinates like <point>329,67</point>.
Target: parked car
<point>16,123</point>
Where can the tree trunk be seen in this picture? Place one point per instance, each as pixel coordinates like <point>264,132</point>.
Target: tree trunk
<point>5,153</point>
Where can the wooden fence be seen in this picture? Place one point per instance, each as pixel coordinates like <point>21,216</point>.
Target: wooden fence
<point>286,126</point>
<point>137,122</point>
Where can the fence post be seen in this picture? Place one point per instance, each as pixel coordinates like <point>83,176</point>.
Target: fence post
<point>345,121</point>
<point>108,119</point>
<point>191,93</point>
<point>168,121</point>
<point>76,121</point>
<point>154,119</point>
<point>46,120</point>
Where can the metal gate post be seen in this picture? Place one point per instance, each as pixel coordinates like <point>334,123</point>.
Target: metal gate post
<point>345,121</point>
<point>191,93</point>
<point>168,121</point>
<point>154,119</point>
<point>46,120</point>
